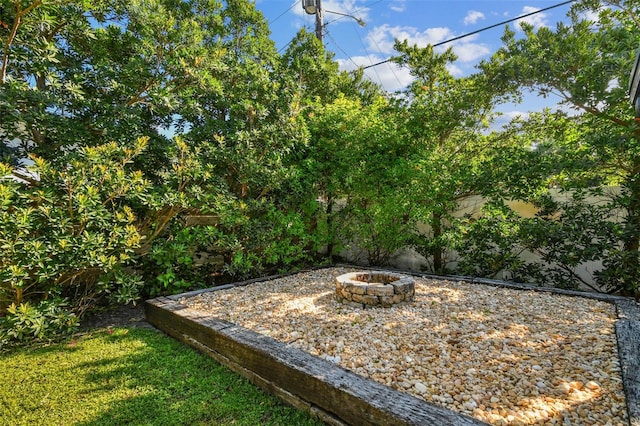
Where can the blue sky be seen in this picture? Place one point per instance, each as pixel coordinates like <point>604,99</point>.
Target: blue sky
<point>421,22</point>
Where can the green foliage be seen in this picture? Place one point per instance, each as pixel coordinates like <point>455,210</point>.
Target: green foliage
<point>587,64</point>
<point>262,237</point>
<point>620,272</point>
<point>377,228</point>
<point>253,238</point>
<point>443,121</point>
<point>356,156</point>
<point>132,376</point>
<point>295,157</point>
<point>78,76</point>
<point>491,244</point>
<point>564,236</point>
<point>185,260</point>
<point>569,234</point>
<point>71,229</point>
<point>25,323</point>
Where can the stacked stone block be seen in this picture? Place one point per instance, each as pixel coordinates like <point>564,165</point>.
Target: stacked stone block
<point>375,288</point>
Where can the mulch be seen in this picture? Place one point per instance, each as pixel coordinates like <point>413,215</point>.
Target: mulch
<point>119,316</point>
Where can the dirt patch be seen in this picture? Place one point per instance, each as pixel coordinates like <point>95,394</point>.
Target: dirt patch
<point>119,316</point>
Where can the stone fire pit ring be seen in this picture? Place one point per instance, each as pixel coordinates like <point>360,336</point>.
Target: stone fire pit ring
<point>374,288</point>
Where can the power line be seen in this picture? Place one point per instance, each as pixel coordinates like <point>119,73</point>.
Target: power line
<point>285,46</point>
<point>364,47</point>
<point>373,39</point>
<point>339,48</point>
<point>282,14</point>
<point>482,29</point>
<point>355,12</point>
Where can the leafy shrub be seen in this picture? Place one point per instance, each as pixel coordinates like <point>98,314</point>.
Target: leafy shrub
<point>253,238</point>
<point>620,272</point>
<point>262,237</point>
<point>436,243</point>
<point>70,231</point>
<point>565,235</point>
<point>26,322</point>
<point>173,266</point>
<point>378,228</point>
<point>490,245</point>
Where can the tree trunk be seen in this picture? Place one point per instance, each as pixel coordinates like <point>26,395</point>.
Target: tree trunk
<point>329,213</point>
<point>436,251</point>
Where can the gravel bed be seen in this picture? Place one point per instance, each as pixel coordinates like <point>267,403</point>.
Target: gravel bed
<point>500,355</point>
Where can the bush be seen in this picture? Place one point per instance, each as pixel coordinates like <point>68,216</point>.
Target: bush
<point>261,237</point>
<point>491,244</point>
<point>70,232</point>
<point>46,320</point>
<point>564,235</point>
<point>253,238</point>
<point>185,259</point>
<point>377,228</point>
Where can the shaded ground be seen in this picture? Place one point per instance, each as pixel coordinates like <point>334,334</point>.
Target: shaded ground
<point>120,316</point>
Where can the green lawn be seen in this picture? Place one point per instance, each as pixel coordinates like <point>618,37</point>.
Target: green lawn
<point>130,376</point>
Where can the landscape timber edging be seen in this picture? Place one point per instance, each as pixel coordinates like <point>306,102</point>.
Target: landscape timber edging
<point>628,337</point>
<point>335,395</point>
<point>338,396</point>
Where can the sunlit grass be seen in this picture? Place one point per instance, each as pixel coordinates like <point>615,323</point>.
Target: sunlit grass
<point>131,376</point>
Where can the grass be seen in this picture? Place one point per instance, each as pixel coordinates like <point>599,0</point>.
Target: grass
<point>131,376</point>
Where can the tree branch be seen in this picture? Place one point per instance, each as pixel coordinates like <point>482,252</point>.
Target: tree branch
<point>5,54</point>
<point>14,31</point>
<point>165,218</point>
<point>29,179</point>
<point>591,110</point>
<point>138,96</point>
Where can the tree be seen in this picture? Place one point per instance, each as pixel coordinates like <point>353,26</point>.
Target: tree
<point>327,102</point>
<point>86,73</point>
<point>586,64</point>
<point>445,120</point>
<point>357,163</point>
<point>86,77</point>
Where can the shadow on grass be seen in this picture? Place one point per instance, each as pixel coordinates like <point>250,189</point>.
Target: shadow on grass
<point>137,377</point>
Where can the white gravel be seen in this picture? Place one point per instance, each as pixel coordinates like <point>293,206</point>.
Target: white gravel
<point>500,355</point>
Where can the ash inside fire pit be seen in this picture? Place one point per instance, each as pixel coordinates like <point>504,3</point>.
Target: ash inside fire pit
<point>375,288</point>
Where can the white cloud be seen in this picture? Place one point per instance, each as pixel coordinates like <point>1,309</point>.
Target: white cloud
<point>454,70</point>
<point>399,6</point>
<point>381,39</point>
<point>537,21</point>
<point>510,115</point>
<point>393,77</point>
<point>473,16</point>
<point>469,52</point>
<point>590,15</point>
<point>506,117</point>
<point>388,75</point>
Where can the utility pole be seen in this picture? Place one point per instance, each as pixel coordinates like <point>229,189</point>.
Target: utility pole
<point>319,23</point>
<point>314,7</point>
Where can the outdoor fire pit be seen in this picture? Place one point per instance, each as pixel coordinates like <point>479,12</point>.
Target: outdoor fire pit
<point>374,288</point>
<point>501,352</point>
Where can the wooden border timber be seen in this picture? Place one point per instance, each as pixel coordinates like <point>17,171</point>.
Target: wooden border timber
<point>335,395</point>
<point>201,220</point>
<point>338,396</point>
